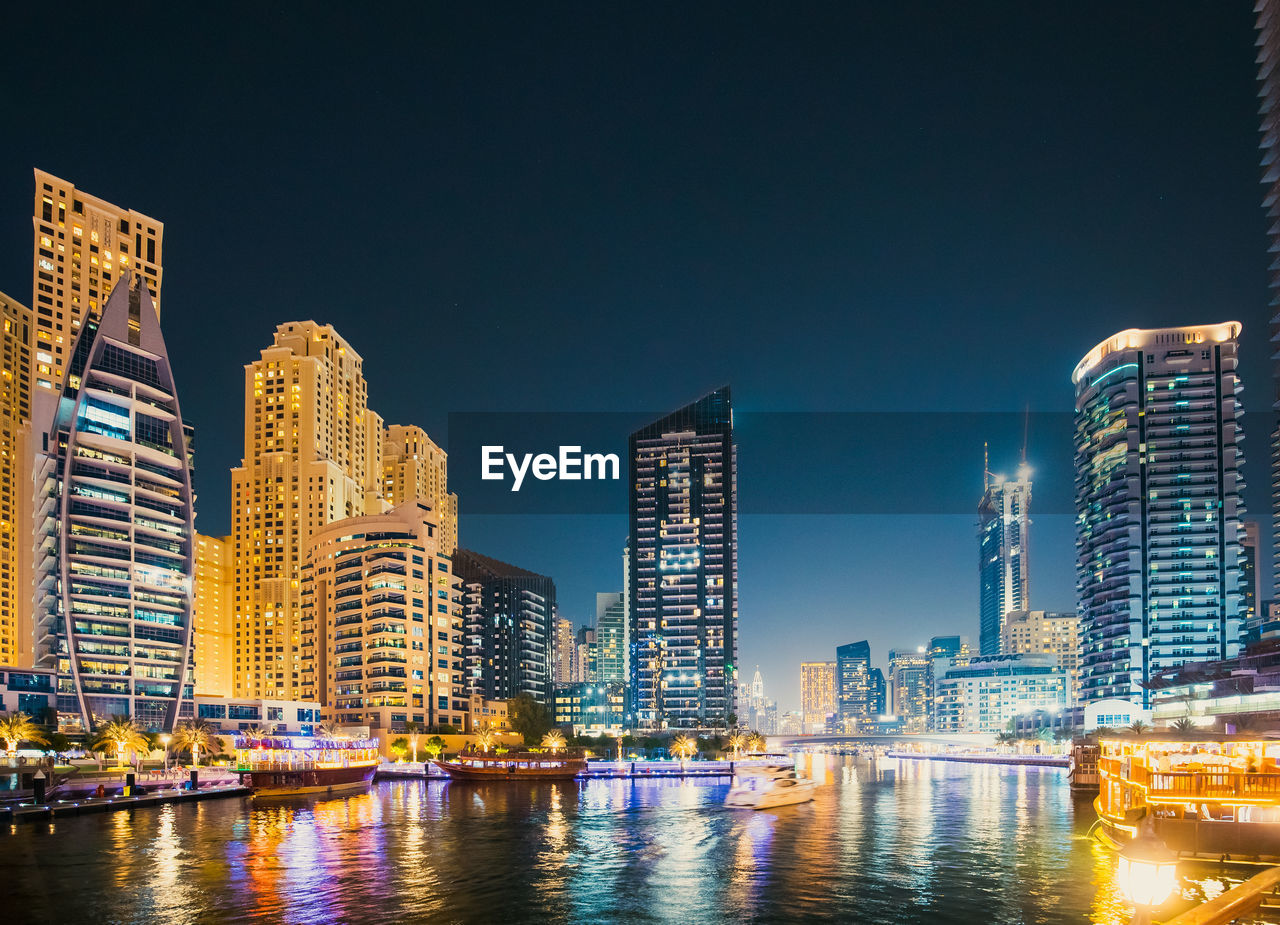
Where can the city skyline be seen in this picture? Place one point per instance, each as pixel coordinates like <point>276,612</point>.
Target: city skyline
<point>1183,240</point>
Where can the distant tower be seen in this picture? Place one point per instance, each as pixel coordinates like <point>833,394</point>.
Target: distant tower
<point>1004,576</point>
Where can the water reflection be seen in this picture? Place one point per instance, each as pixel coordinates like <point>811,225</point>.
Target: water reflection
<point>884,840</point>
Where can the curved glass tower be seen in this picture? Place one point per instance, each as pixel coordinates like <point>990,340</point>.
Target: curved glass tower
<point>115,532</point>
<point>1158,505</point>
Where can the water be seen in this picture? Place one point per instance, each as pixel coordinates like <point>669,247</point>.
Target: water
<point>899,841</point>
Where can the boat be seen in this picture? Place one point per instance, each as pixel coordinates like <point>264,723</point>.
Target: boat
<point>769,787</point>
<point>1208,795</point>
<point>1082,770</point>
<point>285,766</point>
<point>514,765</point>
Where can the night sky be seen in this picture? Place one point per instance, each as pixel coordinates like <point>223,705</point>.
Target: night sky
<point>893,208</point>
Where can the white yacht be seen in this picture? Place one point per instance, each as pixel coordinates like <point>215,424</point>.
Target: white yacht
<point>767,787</point>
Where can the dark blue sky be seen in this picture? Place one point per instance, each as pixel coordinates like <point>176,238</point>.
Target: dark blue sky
<point>842,207</point>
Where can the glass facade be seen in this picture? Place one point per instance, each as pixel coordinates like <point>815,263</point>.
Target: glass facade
<point>1158,482</point>
<point>115,557</point>
<point>683,567</point>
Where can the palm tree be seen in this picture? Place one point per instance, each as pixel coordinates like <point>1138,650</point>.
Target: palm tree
<point>258,733</point>
<point>553,740</point>
<point>122,733</point>
<point>330,729</point>
<point>755,743</point>
<point>1183,726</point>
<point>737,742</point>
<point>194,735</point>
<point>485,739</point>
<point>1138,726</point>
<point>16,728</point>
<point>684,747</point>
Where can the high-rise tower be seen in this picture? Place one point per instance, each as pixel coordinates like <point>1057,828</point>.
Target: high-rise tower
<point>1158,505</point>
<point>1004,575</point>
<point>1268,60</point>
<point>414,468</point>
<point>83,247</point>
<point>115,555</point>
<point>312,455</point>
<point>16,339</point>
<point>683,570</point>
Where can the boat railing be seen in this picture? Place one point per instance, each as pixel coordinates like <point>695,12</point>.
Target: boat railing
<point>1239,901</point>
<point>1212,784</point>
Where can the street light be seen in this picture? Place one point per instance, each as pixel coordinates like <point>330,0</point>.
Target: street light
<point>1147,872</point>
<point>164,740</point>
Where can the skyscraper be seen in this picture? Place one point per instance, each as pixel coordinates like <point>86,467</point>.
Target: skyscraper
<point>683,569</point>
<point>817,694</point>
<point>908,681</point>
<point>1251,615</point>
<point>611,638</point>
<point>1039,632</point>
<point>1158,482</point>
<point>1268,60</point>
<point>1004,578</point>
<point>382,642</point>
<point>859,699</point>
<point>312,455</point>
<point>565,649</point>
<point>508,619</point>
<point>212,644</point>
<point>116,540</point>
<point>83,246</point>
<point>16,340</point>
<point>943,652</point>
<point>413,469</point>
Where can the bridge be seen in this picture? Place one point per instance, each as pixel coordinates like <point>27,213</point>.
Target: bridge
<point>882,740</point>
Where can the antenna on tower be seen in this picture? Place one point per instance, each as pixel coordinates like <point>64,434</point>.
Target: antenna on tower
<point>986,467</point>
<point>1026,427</point>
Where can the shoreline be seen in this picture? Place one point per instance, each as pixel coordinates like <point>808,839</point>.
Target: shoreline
<point>56,809</point>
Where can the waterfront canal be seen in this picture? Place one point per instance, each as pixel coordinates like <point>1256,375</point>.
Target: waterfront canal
<point>894,841</point>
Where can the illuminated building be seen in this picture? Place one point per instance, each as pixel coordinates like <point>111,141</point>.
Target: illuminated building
<point>1252,613</point>
<point>116,543</point>
<point>1037,632</point>
<point>909,684</point>
<point>1268,43</point>
<point>985,694</point>
<point>1158,482</point>
<point>611,638</point>
<point>683,569</point>
<point>591,708</point>
<point>413,468</point>
<point>1004,577</point>
<point>860,688</point>
<point>381,627</point>
<point>565,652</point>
<point>83,246</point>
<point>508,617</point>
<point>312,455</point>
<point>817,694</point>
<point>16,340</point>
<point>942,652</point>
<point>212,646</point>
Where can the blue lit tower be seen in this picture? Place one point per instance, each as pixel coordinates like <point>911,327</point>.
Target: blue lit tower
<point>683,568</point>
<point>114,522</point>
<point>1158,482</point>
<point>1004,575</point>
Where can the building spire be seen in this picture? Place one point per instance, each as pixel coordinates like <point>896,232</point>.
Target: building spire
<point>986,466</point>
